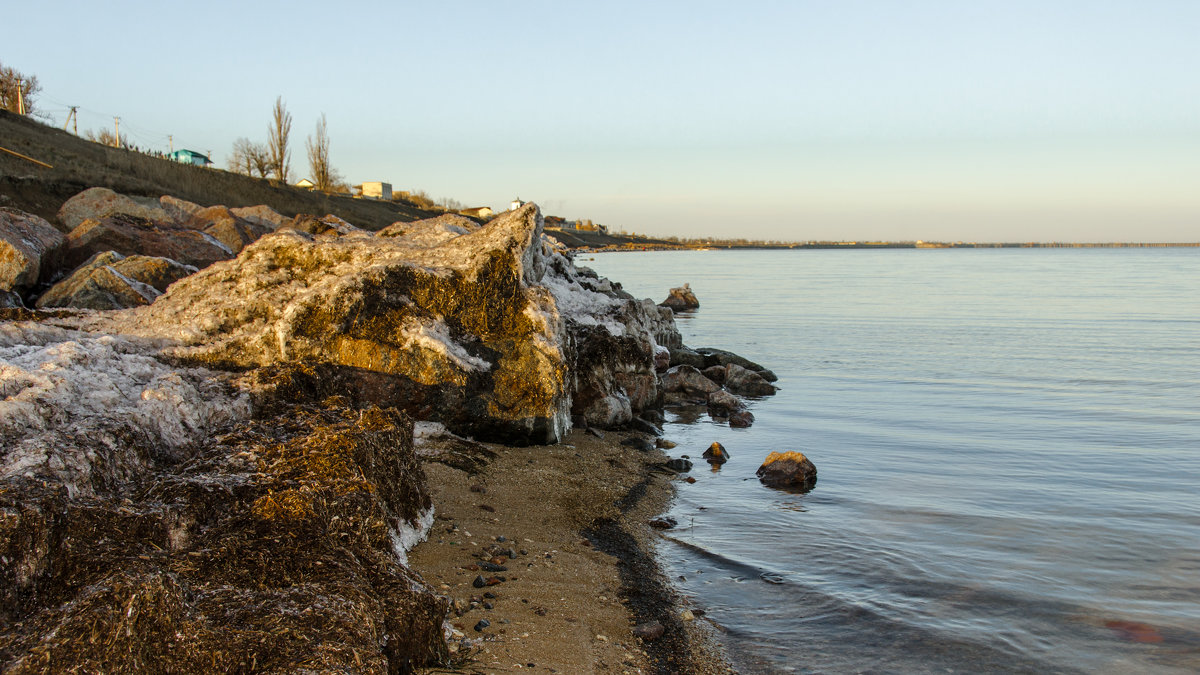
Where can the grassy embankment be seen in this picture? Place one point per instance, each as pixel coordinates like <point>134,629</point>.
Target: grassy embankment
<point>79,164</point>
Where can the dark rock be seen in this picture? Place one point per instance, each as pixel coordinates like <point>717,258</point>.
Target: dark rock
<point>679,465</point>
<point>721,403</point>
<point>595,432</point>
<point>681,299</point>
<point>768,375</point>
<point>651,630</point>
<point>689,381</point>
<point>10,300</point>
<point>488,605</point>
<point>662,359</point>
<point>639,424</point>
<point>664,443</point>
<point>663,523</point>
<point>682,356</point>
<point>490,567</point>
<point>741,419</point>
<point>746,382</point>
<point>479,582</point>
<point>638,443</point>
<point>787,470</point>
<point>721,357</point>
<point>715,373</point>
<point>29,250</point>
<point>716,454</point>
<point>130,235</point>
<point>328,225</point>
<point>483,623</point>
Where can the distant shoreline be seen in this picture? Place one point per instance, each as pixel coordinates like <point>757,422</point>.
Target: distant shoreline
<point>634,245</point>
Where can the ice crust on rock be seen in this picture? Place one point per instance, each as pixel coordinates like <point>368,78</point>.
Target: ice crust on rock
<point>71,397</point>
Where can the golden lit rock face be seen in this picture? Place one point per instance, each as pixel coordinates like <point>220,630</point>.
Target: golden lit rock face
<point>788,470</point>
<point>459,317</point>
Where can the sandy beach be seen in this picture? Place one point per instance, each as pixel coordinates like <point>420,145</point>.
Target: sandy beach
<point>583,575</point>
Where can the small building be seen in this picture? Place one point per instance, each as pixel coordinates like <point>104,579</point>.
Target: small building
<point>516,204</point>
<point>190,157</point>
<point>375,190</point>
<point>306,184</point>
<point>480,212</point>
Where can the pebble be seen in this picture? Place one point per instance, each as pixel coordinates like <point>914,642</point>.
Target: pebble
<point>479,582</point>
<point>492,567</point>
<point>483,623</point>
<point>686,615</point>
<point>665,444</point>
<point>663,523</point>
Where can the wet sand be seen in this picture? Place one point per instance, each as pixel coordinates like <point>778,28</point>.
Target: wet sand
<point>583,575</point>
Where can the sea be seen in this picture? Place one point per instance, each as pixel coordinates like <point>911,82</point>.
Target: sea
<point>1008,452</point>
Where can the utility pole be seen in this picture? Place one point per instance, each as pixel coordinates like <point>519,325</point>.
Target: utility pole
<point>20,97</point>
<point>171,140</point>
<point>117,128</point>
<point>72,117</point>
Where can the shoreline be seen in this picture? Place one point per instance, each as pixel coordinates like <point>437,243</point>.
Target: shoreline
<point>585,571</point>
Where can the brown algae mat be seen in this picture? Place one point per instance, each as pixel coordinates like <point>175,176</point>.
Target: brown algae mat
<point>568,525</point>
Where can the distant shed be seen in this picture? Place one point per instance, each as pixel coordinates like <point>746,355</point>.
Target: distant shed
<point>191,157</point>
<point>376,190</point>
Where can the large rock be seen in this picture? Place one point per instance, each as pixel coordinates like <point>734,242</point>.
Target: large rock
<point>97,203</point>
<point>262,215</point>
<point>328,224</point>
<point>179,210</point>
<point>689,381</point>
<point>226,227</point>
<point>29,248</point>
<point>430,232</point>
<point>109,280</point>
<point>462,332</point>
<point>129,235</point>
<point>681,299</point>
<point>787,470</point>
<point>739,380</point>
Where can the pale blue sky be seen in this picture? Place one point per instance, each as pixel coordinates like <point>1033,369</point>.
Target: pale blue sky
<point>848,119</point>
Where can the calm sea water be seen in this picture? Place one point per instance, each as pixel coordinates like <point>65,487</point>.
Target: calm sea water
<point>1008,448</point>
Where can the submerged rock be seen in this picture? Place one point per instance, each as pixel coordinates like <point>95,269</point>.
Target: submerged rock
<point>716,454</point>
<point>787,470</point>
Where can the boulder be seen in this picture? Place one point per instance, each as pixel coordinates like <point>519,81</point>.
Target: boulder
<point>721,357</point>
<point>226,227</point>
<point>10,300</point>
<point>98,203</point>
<point>739,380</point>
<point>263,216</point>
<point>787,470</point>
<point>29,249</point>
<point>681,299</point>
<point>324,225</point>
<point>741,418</point>
<point>689,381</point>
<point>722,403</point>
<point>682,356</point>
<point>109,280</point>
<point>679,465</point>
<point>715,373</point>
<point>432,231</point>
<point>462,333</point>
<point>716,454</point>
<point>179,210</point>
<point>129,235</point>
<point>662,358</point>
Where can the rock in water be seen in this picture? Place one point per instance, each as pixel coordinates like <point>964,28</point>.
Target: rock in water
<point>746,382</point>
<point>787,470</point>
<point>716,454</point>
<point>29,248</point>
<point>681,299</point>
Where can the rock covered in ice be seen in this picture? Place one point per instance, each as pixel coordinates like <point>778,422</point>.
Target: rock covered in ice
<point>462,330</point>
<point>90,411</point>
<point>430,232</point>
<point>29,247</point>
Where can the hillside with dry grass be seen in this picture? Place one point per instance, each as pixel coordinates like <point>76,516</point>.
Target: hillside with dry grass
<point>77,164</point>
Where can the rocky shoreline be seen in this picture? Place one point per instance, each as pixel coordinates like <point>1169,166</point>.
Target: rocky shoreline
<point>209,457</point>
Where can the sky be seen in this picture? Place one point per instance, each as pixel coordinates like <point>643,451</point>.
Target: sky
<point>847,120</point>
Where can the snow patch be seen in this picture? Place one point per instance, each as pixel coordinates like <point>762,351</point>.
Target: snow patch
<point>408,535</point>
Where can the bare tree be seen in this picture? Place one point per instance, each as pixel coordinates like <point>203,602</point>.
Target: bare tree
<point>239,157</point>
<point>277,143</point>
<point>260,158</point>
<point>17,91</point>
<point>324,177</point>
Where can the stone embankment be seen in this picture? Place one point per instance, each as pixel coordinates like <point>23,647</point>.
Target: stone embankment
<point>207,459</point>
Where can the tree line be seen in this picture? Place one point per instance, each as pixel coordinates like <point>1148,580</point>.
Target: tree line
<point>273,158</point>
